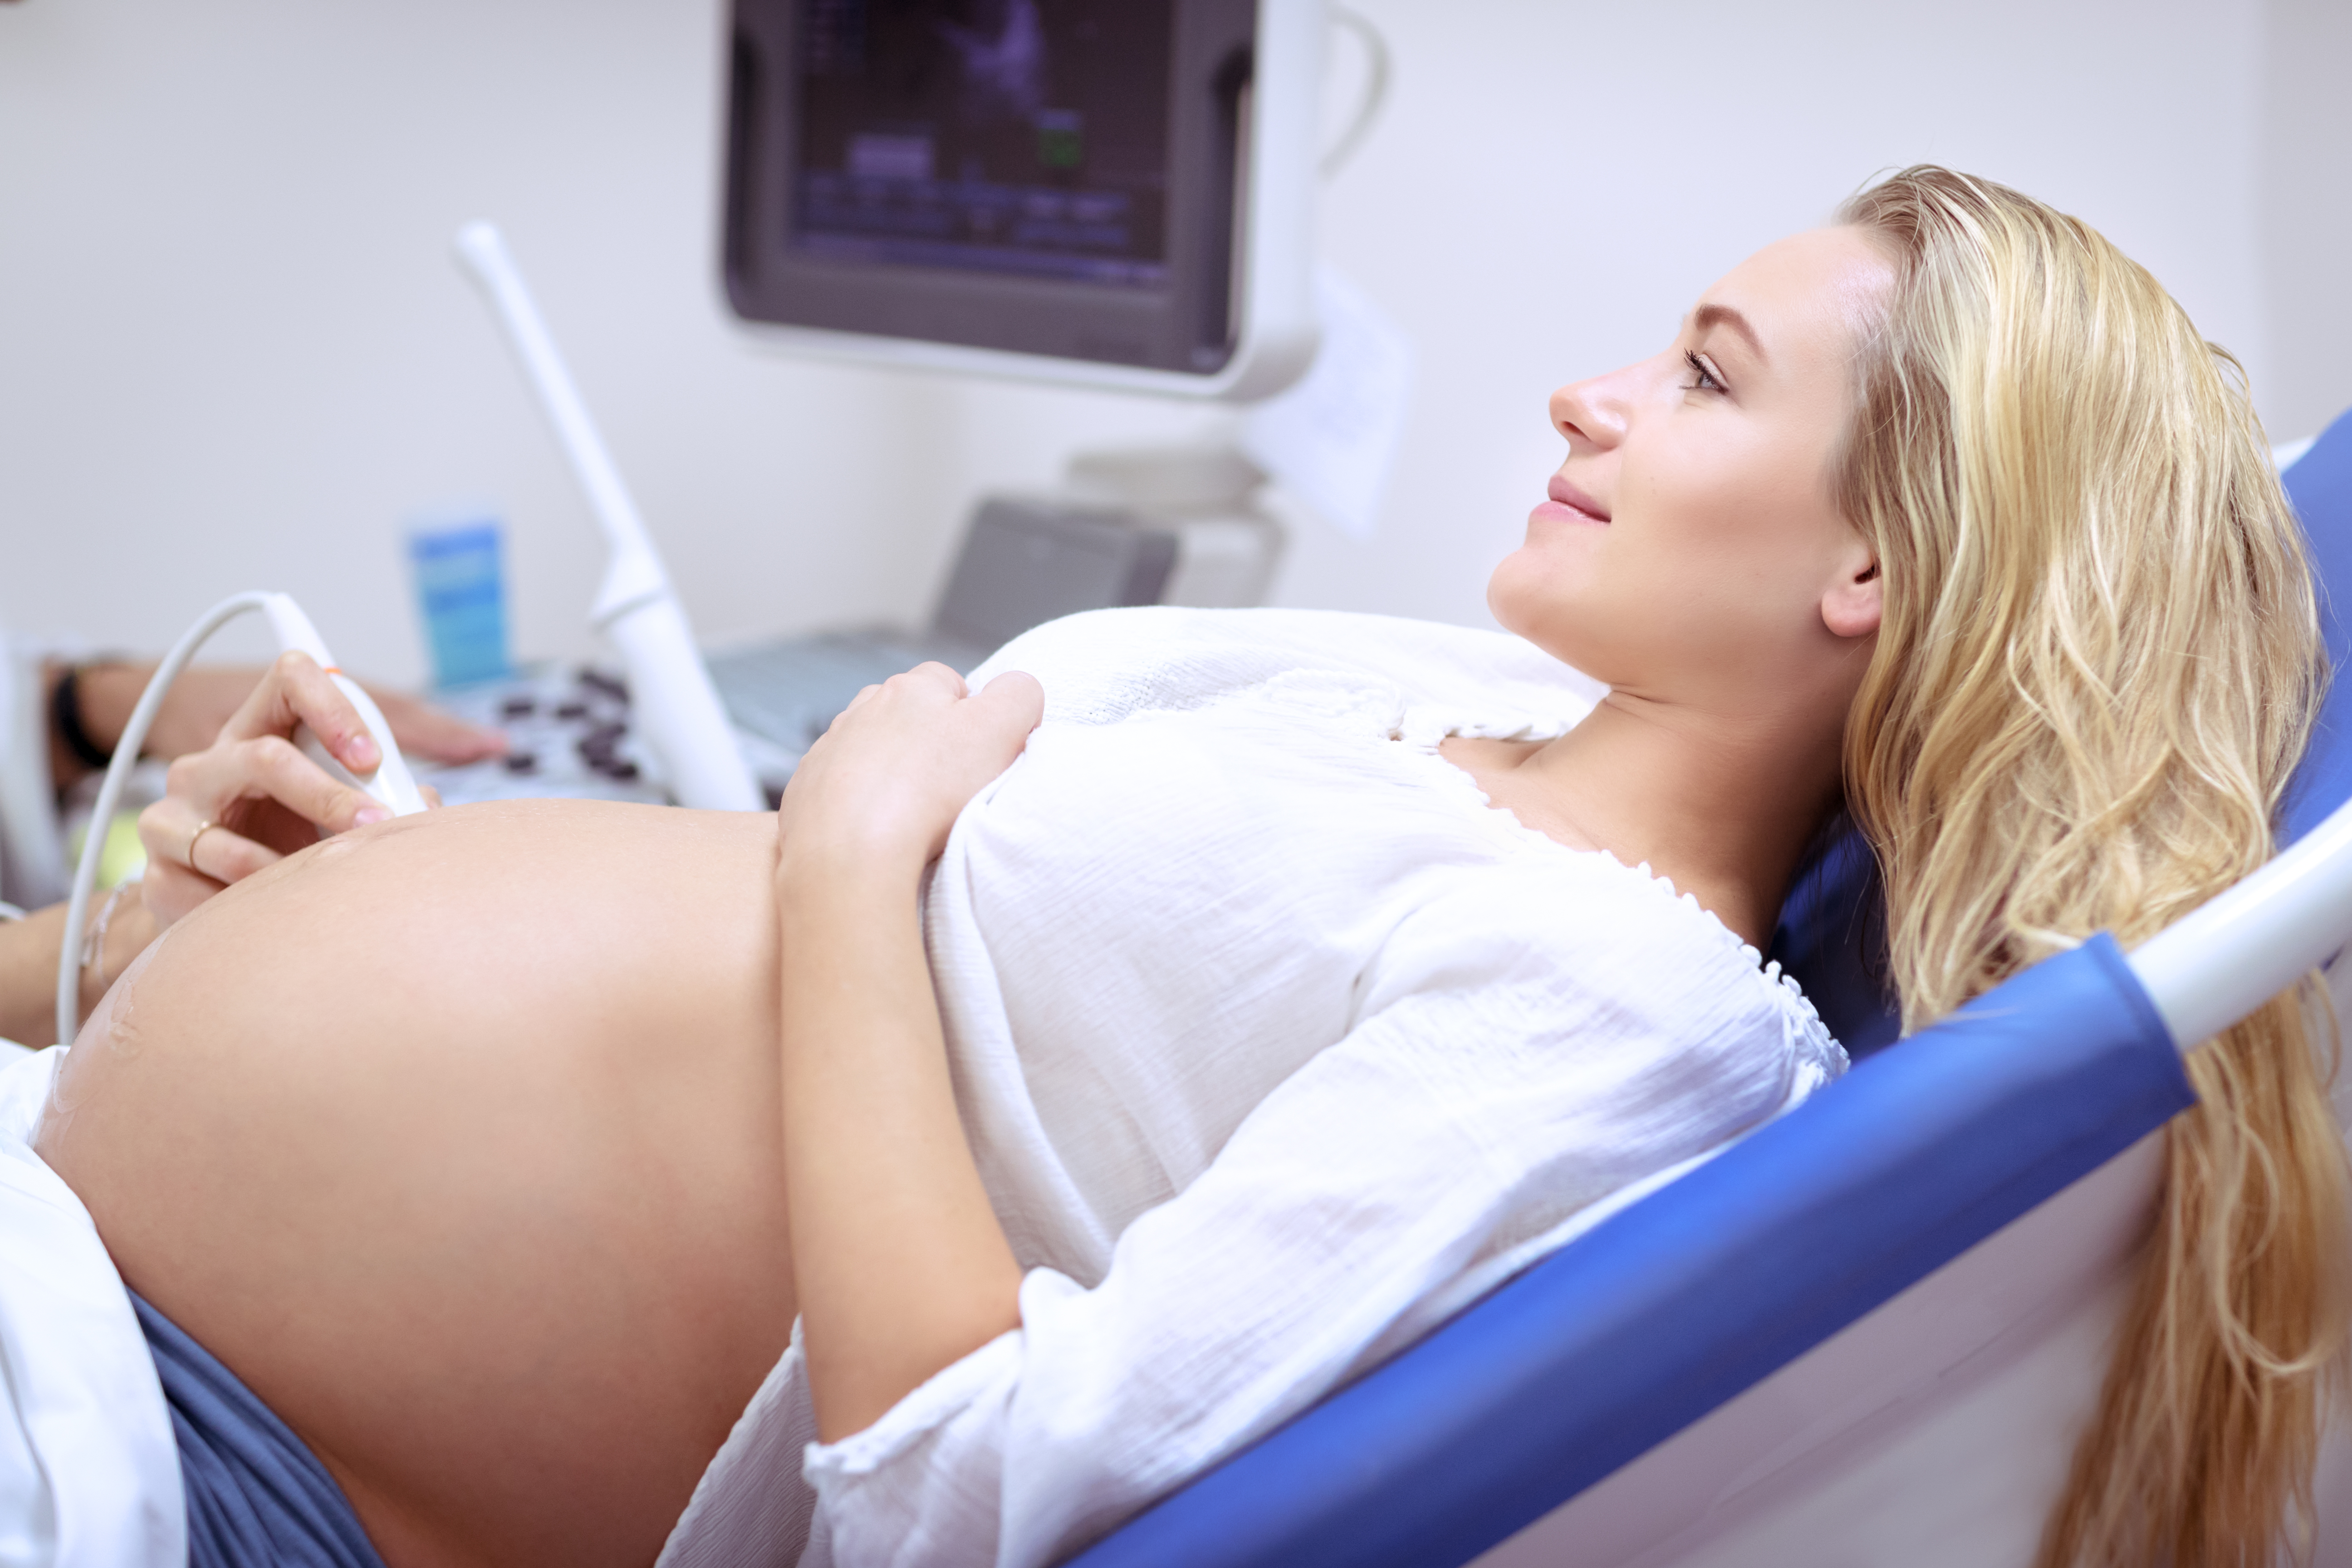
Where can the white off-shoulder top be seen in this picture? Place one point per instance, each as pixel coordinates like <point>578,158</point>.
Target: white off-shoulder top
<point>1277,1045</point>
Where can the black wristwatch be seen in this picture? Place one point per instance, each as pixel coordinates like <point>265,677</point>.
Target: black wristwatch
<point>64,714</point>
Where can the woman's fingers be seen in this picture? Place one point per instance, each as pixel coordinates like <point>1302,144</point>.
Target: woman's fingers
<point>944,676</point>
<point>1014,700</point>
<point>903,760</point>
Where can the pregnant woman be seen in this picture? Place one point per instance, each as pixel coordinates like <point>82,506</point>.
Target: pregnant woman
<point>1033,1112</point>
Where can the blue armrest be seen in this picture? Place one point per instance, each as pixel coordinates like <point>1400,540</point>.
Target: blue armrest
<point>2320,485</point>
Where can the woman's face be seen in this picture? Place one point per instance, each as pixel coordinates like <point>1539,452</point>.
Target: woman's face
<point>1690,548</point>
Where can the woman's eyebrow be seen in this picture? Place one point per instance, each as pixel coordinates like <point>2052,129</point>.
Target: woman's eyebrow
<point>1713,315</point>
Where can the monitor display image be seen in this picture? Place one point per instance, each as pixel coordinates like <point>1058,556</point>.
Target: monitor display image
<point>1027,137</point>
<point>1111,193</point>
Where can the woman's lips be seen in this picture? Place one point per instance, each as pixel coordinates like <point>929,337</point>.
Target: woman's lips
<point>1568,504</point>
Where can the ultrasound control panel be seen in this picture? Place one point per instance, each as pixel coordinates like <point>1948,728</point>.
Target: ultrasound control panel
<point>568,733</point>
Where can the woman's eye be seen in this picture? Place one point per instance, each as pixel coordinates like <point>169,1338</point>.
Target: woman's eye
<point>1703,379</point>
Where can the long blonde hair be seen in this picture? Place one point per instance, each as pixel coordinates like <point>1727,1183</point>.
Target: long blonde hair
<point>2098,665</point>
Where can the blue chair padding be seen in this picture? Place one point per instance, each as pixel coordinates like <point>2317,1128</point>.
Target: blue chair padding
<point>1832,937</point>
<point>1700,1290</point>
<point>1831,934</point>
<point>2320,485</point>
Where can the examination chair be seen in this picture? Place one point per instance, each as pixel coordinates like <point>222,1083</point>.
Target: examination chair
<point>1914,1271</point>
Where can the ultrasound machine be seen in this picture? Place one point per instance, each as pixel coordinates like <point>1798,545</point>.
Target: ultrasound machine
<point>1112,193</point>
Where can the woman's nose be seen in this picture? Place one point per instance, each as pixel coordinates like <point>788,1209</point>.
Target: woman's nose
<point>1591,414</point>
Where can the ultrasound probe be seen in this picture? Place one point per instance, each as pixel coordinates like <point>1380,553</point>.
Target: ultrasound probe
<point>388,784</point>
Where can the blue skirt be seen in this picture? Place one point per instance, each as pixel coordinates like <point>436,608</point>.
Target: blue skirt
<point>257,1497</point>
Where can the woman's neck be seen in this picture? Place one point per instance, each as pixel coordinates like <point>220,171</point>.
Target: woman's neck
<point>1723,808</point>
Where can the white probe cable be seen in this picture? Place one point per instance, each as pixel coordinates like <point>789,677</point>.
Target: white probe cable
<point>391,784</point>
<point>674,700</point>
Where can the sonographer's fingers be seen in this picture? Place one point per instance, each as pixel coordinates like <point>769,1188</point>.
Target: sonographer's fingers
<point>234,808</point>
<point>222,782</point>
<point>191,858</point>
<point>238,702</point>
<point>214,852</point>
<point>421,730</point>
<point>208,701</point>
<point>175,832</point>
<point>170,892</point>
<point>295,690</point>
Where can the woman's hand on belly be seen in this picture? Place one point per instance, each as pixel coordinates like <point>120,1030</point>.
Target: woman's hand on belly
<point>884,785</point>
<point>900,1266</point>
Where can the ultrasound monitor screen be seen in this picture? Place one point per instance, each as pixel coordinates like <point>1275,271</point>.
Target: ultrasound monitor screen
<point>1025,137</point>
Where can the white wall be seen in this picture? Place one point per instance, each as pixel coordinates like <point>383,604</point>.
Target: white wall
<point>2306,194</point>
<point>232,352</point>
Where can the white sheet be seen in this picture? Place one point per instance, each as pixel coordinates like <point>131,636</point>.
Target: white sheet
<point>89,1475</point>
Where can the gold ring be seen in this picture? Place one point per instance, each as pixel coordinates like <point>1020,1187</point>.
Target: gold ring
<point>201,828</point>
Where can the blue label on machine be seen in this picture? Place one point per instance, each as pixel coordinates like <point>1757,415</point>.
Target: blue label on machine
<point>460,575</point>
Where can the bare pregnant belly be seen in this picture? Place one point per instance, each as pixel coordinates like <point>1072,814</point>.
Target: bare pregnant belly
<point>457,1139</point>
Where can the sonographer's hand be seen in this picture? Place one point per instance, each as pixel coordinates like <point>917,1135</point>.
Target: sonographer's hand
<point>206,698</point>
<point>883,787</point>
<point>251,798</point>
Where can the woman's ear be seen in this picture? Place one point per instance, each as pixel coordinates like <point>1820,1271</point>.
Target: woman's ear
<point>1851,608</point>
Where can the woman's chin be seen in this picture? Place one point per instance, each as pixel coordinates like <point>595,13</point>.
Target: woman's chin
<point>1532,588</point>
